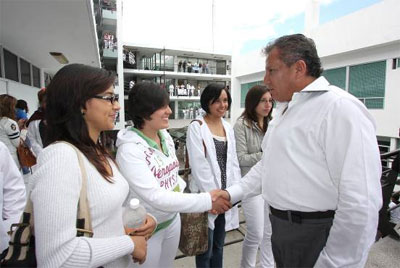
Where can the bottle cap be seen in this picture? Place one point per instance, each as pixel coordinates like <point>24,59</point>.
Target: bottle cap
<point>134,203</point>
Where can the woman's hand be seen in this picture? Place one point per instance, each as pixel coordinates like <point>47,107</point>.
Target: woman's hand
<point>220,201</point>
<point>145,230</point>
<point>140,251</point>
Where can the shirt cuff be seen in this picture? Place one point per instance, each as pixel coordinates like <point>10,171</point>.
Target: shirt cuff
<point>236,193</point>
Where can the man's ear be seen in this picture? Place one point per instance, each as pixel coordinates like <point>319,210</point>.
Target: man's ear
<point>301,68</point>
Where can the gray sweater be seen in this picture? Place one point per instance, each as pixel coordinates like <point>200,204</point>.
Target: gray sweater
<point>248,144</point>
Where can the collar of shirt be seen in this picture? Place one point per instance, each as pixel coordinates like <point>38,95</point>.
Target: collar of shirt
<point>318,85</point>
<point>151,142</point>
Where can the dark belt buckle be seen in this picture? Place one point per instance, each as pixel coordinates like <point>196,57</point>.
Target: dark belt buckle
<point>293,217</point>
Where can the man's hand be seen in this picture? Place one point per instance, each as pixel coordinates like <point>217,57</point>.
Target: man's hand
<point>220,201</point>
<point>145,230</point>
<point>140,251</point>
<point>21,123</point>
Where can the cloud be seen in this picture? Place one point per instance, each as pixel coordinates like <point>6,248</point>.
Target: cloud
<point>249,20</point>
<point>189,24</point>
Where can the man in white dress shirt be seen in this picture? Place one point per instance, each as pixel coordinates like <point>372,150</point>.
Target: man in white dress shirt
<point>320,170</point>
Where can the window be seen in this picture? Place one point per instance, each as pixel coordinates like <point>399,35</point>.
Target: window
<point>47,79</point>
<point>10,65</point>
<point>1,75</point>
<point>244,89</point>
<point>336,77</point>
<point>25,72</point>
<point>384,147</point>
<point>396,63</point>
<point>367,82</point>
<point>221,67</point>
<point>36,76</point>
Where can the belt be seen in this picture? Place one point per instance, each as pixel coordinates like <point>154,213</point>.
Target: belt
<point>298,216</point>
<point>164,224</point>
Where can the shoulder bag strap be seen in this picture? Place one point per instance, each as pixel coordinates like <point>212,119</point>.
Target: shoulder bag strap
<point>84,222</point>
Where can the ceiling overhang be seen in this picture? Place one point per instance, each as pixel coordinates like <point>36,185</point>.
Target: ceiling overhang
<point>33,28</point>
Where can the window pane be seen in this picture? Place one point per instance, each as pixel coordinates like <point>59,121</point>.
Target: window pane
<point>221,67</point>
<point>244,89</point>
<point>10,65</point>
<point>36,76</point>
<point>0,64</point>
<point>336,77</point>
<point>368,81</point>
<point>375,103</point>
<point>25,72</point>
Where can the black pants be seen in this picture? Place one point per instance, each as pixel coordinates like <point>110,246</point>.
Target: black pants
<point>298,244</point>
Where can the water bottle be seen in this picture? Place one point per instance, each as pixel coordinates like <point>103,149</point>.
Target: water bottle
<point>134,215</point>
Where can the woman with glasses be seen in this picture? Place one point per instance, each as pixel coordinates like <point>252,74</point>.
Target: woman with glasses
<point>80,105</point>
<point>9,130</point>
<point>214,164</point>
<point>249,133</point>
<point>146,156</point>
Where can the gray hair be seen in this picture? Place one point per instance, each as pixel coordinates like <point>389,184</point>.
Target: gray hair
<point>295,47</point>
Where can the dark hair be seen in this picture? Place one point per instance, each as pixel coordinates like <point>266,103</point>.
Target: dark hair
<point>7,106</point>
<point>41,95</point>
<point>144,99</point>
<point>67,93</point>
<point>293,48</point>
<point>252,100</point>
<point>23,105</point>
<point>211,94</point>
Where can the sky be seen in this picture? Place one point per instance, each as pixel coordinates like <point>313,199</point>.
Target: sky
<point>239,25</point>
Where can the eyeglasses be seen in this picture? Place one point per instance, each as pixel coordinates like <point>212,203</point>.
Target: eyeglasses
<point>111,99</point>
<point>265,101</point>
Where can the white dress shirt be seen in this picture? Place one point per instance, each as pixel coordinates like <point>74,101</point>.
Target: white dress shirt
<point>322,154</point>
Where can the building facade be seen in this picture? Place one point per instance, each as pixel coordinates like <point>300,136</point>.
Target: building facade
<point>360,53</point>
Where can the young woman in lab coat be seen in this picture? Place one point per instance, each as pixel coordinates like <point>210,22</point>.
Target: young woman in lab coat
<point>212,152</point>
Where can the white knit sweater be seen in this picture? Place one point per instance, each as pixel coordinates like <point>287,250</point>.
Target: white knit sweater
<point>55,193</point>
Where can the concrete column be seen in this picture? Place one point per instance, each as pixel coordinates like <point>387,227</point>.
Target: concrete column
<point>311,19</point>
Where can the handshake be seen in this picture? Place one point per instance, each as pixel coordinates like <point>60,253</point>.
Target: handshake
<point>220,201</point>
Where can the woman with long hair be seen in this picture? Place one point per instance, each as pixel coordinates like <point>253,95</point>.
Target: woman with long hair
<point>212,152</point>
<point>249,133</point>
<point>147,158</point>
<point>9,130</point>
<point>80,104</point>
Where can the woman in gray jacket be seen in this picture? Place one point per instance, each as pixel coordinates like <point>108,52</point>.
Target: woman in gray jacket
<point>249,133</point>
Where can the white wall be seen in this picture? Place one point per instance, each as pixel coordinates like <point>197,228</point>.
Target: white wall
<point>386,126</point>
<point>368,35</point>
<point>371,26</point>
<point>21,91</point>
<point>120,69</point>
<point>3,86</point>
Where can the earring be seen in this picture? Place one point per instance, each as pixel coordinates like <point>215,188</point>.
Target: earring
<point>82,113</point>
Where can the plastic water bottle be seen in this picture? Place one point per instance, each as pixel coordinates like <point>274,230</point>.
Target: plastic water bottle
<point>134,215</point>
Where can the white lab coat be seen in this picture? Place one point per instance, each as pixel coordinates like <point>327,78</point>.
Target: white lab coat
<point>206,173</point>
<point>12,195</point>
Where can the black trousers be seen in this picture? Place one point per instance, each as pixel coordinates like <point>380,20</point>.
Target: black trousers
<point>298,244</point>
